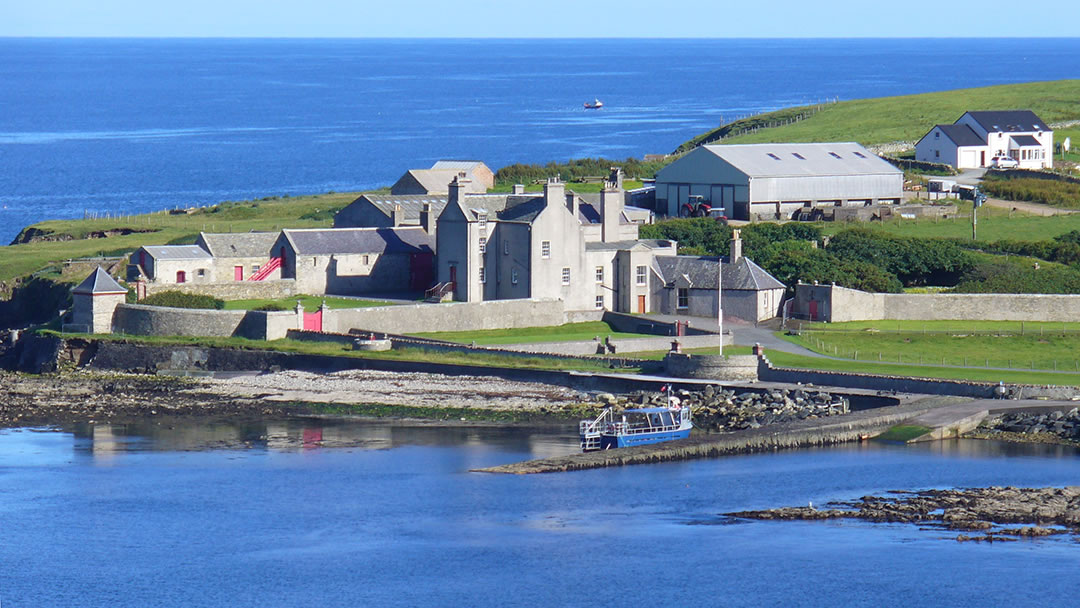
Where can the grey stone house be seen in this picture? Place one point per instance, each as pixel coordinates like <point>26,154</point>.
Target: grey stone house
<point>352,261</point>
<point>390,210</point>
<point>93,302</point>
<point>214,258</point>
<point>550,246</point>
<point>687,285</point>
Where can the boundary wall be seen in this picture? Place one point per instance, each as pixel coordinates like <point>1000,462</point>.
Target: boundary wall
<point>139,320</point>
<point>835,304</point>
<point>234,290</point>
<point>456,316</point>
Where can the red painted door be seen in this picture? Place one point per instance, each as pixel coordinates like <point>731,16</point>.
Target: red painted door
<point>181,276</point>
<point>813,310</point>
<point>238,273</point>
<point>313,321</point>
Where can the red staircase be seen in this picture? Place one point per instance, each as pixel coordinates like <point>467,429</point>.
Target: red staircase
<point>265,271</point>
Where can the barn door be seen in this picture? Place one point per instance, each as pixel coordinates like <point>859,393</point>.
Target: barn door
<point>313,321</point>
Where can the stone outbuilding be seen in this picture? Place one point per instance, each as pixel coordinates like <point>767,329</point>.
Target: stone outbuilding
<point>171,264</point>
<point>436,179</point>
<point>93,303</point>
<point>391,210</point>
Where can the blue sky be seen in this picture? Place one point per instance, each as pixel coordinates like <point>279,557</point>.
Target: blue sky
<point>543,18</point>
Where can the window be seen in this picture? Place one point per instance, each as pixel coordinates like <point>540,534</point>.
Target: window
<point>937,134</point>
<point>600,301</point>
<point>937,153</point>
<point>366,259</point>
<point>599,274</point>
<point>859,154</point>
<point>545,249</point>
<point>566,275</point>
<point>506,246</point>
<point>483,274</point>
<point>254,268</point>
<point>481,219</point>
<point>640,275</point>
<point>798,156</point>
<point>483,245</point>
<point>773,156</point>
<point>684,298</point>
<point>834,155</point>
<point>201,272</point>
<point>513,276</point>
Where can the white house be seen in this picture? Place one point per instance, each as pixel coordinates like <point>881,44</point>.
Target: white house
<point>977,137</point>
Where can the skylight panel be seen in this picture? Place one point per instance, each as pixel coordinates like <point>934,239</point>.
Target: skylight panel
<point>798,156</point>
<point>859,154</point>
<point>834,155</point>
<point>773,156</point>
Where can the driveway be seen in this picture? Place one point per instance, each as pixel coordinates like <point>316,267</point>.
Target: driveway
<point>743,333</point>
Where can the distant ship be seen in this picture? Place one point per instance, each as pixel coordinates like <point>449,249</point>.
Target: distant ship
<point>595,104</point>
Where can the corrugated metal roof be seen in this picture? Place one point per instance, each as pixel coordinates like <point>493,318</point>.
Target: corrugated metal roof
<point>1012,121</point>
<point>99,281</point>
<point>239,244</point>
<point>346,241</point>
<point>962,135</point>
<point>797,160</point>
<point>744,274</point>
<point>176,252</point>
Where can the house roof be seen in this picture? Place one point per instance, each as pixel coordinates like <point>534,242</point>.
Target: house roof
<point>434,180</point>
<point>796,160</point>
<point>239,244</point>
<point>176,252</point>
<point>458,165</point>
<point>701,272</point>
<point>1012,121</point>
<point>626,245</point>
<point>962,135</point>
<point>99,282</point>
<point>344,241</point>
<point>411,204</point>
<point>1025,140</point>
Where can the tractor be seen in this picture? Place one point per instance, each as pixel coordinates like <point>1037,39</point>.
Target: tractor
<point>696,206</point>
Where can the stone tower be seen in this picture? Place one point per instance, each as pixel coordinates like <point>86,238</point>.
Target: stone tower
<point>94,300</point>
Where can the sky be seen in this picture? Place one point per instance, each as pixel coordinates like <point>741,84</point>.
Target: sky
<point>534,19</point>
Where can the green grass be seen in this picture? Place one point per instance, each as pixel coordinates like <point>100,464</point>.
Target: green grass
<point>579,187</point>
<point>571,332</point>
<point>1028,327</point>
<point>309,303</point>
<point>909,117</point>
<point>790,360</point>
<point>271,213</point>
<point>903,433</point>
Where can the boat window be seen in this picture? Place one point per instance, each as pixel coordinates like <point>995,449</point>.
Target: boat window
<point>665,418</point>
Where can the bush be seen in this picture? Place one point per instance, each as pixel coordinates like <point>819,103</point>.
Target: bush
<point>179,299</point>
<point>1011,277</point>
<point>576,169</point>
<point>1030,189</point>
<point>271,307</point>
<point>915,261</point>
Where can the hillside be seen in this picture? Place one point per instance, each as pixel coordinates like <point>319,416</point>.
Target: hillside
<point>889,119</point>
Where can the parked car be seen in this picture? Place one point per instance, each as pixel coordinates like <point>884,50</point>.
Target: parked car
<point>1004,162</point>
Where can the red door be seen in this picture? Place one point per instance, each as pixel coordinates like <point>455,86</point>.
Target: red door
<point>181,276</point>
<point>238,273</point>
<point>313,321</point>
<point>813,310</point>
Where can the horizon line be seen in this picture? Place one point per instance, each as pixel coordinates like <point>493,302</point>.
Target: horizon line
<point>513,38</point>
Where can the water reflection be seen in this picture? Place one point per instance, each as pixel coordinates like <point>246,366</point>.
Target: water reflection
<point>104,441</point>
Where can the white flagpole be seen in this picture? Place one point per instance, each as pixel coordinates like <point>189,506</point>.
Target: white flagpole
<point>720,299</point>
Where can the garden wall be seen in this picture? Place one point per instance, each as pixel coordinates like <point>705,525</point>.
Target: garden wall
<point>139,320</point>
<point>457,316</point>
<point>233,290</point>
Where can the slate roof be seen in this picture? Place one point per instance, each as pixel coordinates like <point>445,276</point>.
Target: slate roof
<point>624,245</point>
<point>1010,121</point>
<point>176,252</point>
<point>458,165</point>
<point>1025,140</point>
<point>962,135</point>
<point>330,241</point>
<point>701,271</point>
<point>411,204</point>
<point>239,244</point>
<point>796,160</point>
<point>99,282</point>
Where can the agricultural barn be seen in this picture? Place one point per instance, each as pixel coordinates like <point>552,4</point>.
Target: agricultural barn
<point>774,181</point>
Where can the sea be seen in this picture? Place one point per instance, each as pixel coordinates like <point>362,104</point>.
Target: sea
<point>92,127</point>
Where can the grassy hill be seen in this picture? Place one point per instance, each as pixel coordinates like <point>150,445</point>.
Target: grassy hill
<point>889,119</point>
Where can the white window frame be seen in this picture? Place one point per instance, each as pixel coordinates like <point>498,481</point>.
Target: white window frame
<point>483,274</point>
<point>600,301</point>
<point>599,274</point>
<point>641,275</point>
<point>483,244</point>
<point>481,220</point>
<point>506,246</point>
<point>682,301</point>
<point>545,249</point>
<point>566,275</point>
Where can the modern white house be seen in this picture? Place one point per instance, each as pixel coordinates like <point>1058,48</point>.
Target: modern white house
<point>775,181</point>
<point>977,138</point>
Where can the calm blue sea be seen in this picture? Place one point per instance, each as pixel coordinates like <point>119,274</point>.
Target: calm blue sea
<point>127,126</point>
<point>114,516</point>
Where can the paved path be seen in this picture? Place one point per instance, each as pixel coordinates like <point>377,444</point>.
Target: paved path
<point>959,418</point>
<point>743,333</point>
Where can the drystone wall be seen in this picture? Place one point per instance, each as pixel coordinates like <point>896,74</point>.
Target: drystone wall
<point>139,320</point>
<point>457,316</point>
<point>232,290</point>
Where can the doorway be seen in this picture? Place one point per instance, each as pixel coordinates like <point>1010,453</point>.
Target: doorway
<point>641,305</point>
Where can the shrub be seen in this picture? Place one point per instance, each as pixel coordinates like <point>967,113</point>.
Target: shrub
<point>1030,189</point>
<point>179,299</point>
<point>1011,277</point>
<point>271,307</point>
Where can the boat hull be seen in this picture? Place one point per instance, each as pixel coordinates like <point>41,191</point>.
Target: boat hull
<point>626,441</point>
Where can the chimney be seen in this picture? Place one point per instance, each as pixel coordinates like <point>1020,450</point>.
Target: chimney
<point>555,192</point>
<point>736,247</point>
<point>611,204</point>
<point>397,216</point>
<point>616,177</point>
<point>425,218</point>
<point>458,188</point>
<point>519,189</point>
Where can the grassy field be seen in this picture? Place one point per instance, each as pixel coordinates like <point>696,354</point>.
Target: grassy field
<point>579,187</point>
<point>163,228</point>
<point>571,332</point>
<point>909,117</point>
<point>309,303</point>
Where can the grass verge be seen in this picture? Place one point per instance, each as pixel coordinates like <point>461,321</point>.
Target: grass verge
<point>570,332</point>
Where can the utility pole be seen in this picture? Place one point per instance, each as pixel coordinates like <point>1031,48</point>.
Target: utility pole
<point>976,202</point>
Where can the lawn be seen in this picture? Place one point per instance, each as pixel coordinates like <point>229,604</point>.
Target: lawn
<point>309,303</point>
<point>909,117</point>
<point>161,228</point>
<point>570,332</point>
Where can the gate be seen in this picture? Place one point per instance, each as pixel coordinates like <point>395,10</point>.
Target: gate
<point>313,321</point>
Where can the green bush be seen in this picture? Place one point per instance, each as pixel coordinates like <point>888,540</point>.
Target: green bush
<point>179,299</point>
<point>1034,190</point>
<point>1012,277</point>
<point>915,261</point>
<point>271,307</point>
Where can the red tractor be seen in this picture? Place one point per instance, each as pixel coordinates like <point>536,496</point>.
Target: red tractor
<point>697,206</point>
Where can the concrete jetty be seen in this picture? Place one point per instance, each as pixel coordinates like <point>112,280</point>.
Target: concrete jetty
<point>822,431</point>
<point>959,418</point>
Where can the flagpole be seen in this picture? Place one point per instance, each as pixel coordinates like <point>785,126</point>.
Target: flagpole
<point>720,299</point>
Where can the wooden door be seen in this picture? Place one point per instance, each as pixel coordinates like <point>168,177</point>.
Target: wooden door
<point>238,273</point>
<point>641,305</point>
<point>181,276</point>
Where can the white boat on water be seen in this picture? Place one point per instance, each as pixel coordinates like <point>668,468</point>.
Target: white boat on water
<point>595,104</point>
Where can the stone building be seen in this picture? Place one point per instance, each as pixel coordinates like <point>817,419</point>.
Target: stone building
<point>353,261</point>
<point>93,303</point>
<point>550,246</point>
<point>237,256</point>
<point>214,258</point>
<point>435,179</point>
<point>391,210</point>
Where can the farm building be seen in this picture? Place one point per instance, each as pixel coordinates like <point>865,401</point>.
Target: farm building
<point>976,138</point>
<point>436,179</point>
<point>775,181</point>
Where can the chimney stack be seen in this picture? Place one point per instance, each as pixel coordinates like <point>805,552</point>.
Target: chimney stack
<point>397,216</point>
<point>736,247</point>
<point>425,217</point>
<point>611,204</point>
<point>519,189</point>
<point>555,192</point>
<point>616,177</point>
<point>458,188</point>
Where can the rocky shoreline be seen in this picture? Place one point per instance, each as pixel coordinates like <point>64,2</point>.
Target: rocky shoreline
<point>992,514</point>
<point>1055,427</point>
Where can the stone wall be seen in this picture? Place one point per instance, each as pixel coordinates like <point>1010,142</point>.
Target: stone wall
<point>139,320</point>
<point>456,316</point>
<point>232,290</point>
<point>732,367</point>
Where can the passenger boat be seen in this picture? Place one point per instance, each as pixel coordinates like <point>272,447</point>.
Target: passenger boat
<point>638,426</point>
<point>595,104</point>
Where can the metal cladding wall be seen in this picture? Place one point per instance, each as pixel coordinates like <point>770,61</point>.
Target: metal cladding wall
<point>827,187</point>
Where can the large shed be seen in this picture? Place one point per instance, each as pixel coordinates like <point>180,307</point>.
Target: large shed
<point>773,181</point>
